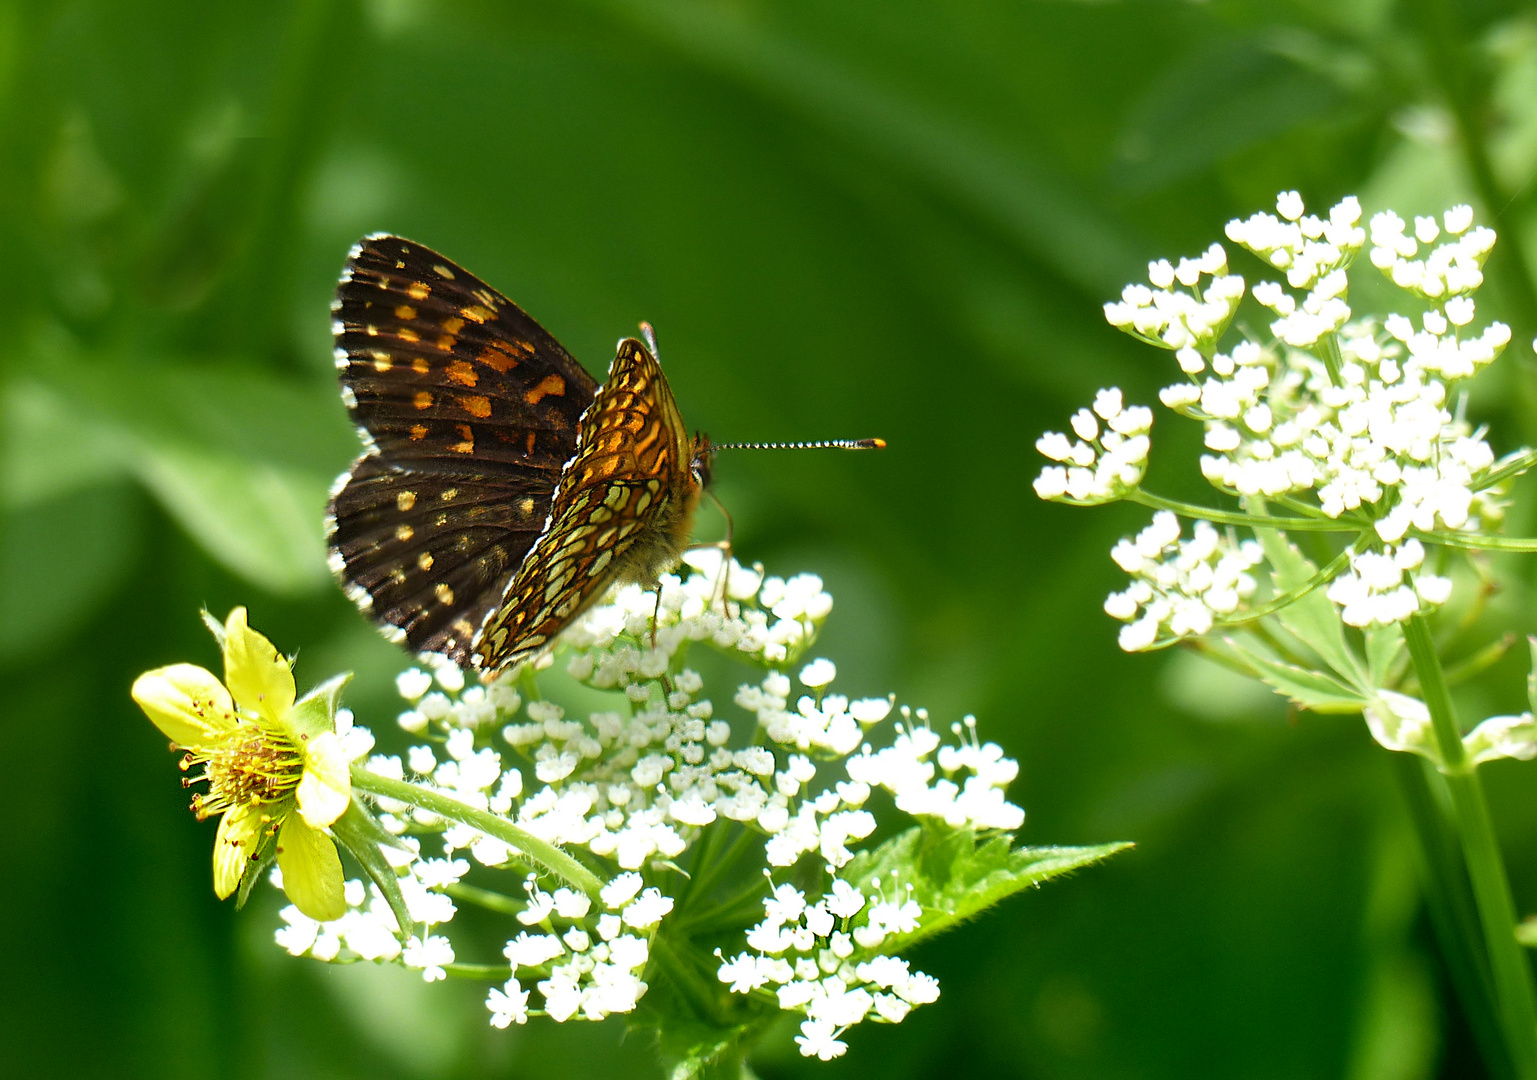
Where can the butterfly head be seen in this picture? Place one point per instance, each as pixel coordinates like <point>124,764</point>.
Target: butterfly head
<point>699,454</point>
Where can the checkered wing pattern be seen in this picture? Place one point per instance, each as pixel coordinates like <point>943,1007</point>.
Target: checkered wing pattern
<point>623,512</point>
<point>469,410</point>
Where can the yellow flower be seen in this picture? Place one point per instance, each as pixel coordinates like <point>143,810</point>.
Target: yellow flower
<point>264,756</point>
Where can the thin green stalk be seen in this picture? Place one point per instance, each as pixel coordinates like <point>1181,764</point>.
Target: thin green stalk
<point>545,854</point>
<point>1329,352</point>
<point>1238,517</point>
<point>1449,901</point>
<point>1525,545</point>
<point>1517,465</point>
<point>485,898</point>
<point>494,972</point>
<point>1509,970</point>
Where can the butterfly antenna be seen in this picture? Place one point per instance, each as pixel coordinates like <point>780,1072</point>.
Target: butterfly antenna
<point>650,336</point>
<point>824,444</point>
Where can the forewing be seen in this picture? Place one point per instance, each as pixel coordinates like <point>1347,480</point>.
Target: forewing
<point>440,369</point>
<point>630,470</point>
<point>471,410</point>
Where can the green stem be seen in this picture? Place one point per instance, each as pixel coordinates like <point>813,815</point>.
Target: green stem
<point>1238,517</point>
<point>1519,462</point>
<point>491,901</point>
<point>1329,352</point>
<point>494,972</point>
<point>545,854</point>
<point>1510,972</point>
<point>1449,901</point>
<point>1471,541</point>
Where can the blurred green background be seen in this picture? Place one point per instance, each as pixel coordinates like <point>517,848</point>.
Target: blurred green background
<point>845,219</point>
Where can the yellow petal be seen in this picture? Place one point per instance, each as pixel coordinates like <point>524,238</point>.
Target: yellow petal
<point>186,703</point>
<point>239,837</point>
<point>312,871</point>
<point>325,789</point>
<point>257,674</point>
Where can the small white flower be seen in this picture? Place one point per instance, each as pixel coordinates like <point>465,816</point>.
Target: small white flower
<point>818,674</point>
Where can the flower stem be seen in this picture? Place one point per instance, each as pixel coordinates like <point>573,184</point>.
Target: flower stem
<point>1474,542</point>
<point>1238,517</point>
<point>1449,901</point>
<point>1508,967</point>
<point>494,972</point>
<point>545,854</point>
<point>491,901</point>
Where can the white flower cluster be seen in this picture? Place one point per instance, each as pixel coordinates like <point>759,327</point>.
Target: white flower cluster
<point>631,787</point>
<point>1383,587</point>
<point>1180,588</point>
<point>811,954</point>
<point>1453,268</point>
<point>1314,253</point>
<point>1102,466</point>
<point>1193,315</point>
<point>1351,421</point>
<point>369,930</point>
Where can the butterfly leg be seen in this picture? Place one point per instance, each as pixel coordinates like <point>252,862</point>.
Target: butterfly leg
<point>723,579</point>
<point>656,616</point>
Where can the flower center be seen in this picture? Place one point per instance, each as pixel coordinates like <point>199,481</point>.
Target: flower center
<point>261,767</point>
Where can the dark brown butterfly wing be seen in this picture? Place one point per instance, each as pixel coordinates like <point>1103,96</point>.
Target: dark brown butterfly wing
<point>623,512</point>
<point>470,410</point>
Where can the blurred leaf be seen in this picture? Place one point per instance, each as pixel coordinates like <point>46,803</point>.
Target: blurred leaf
<point>241,459</point>
<point>1384,649</point>
<point>61,560</point>
<point>1019,196</point>
<point>260,521</point>
<point>954,878</point>
<point>1233,95</point>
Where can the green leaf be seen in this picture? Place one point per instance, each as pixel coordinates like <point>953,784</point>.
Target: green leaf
<point>61,560</point>
<point>954,878</point>
<point>315,712</point>
<point>1531,677</point>
<point>1311,617</point>
<point>257,868</point>
<point>1384,648</point>
<point>242,459</point>
<point>361,834</point>
<point>261,522</point>
<point>1310,689</point>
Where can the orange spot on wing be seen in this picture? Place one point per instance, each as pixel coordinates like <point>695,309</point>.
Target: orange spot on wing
<point>477,406</point>
<point>422,400</point>
<point>549,386</point>
<point>447,342</point>
<point>495,356</point>
<point>405,333</point>
<point>475,313</point>
<point>418,431</point>
<point>531,436</point>
<point>468,445</point>
<point>418,290</point>
<point>453,326</point>
<point>420,365</point>
<point>462,373</point>
<point>405,311</point>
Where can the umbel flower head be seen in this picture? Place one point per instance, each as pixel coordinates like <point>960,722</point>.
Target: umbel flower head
<point>276,769</point>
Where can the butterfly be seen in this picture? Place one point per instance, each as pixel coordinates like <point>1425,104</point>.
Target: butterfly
<point>502,490</point>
